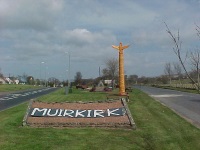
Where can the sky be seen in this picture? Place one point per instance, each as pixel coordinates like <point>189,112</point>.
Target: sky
<point>57,38</point>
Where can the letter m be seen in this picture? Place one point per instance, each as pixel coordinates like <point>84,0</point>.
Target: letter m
<point>39,112</point>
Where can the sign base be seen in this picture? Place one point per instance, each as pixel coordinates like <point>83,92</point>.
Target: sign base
<point>109,113</point>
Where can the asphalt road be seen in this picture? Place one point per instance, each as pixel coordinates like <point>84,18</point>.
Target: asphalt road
<point>185,104</point>
<point>13,99</point>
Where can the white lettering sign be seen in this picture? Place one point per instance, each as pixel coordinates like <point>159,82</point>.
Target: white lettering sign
<point>68,113</point>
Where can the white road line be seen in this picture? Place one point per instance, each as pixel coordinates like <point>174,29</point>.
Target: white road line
<point>6,98</point>
<point>166,95</point>
<point>13,96</point>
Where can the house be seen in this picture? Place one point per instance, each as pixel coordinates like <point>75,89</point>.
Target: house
<point>16,81</point>
<point>107,81</point>
<point>8,80</point>
<point>2,81</point>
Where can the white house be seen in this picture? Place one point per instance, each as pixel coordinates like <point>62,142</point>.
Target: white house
<point>2,81</point>
<point>9,80</point>
<point>16,81</point>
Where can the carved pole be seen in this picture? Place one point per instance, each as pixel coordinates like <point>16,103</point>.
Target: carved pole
<point>121,67</point>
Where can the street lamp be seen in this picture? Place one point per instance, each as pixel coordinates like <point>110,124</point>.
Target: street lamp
<point>41,71</point>
<point>69,67</point>
<point>46,68</point>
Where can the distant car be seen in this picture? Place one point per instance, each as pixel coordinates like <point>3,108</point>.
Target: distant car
<point>81,86</point>
<point>108,89</point>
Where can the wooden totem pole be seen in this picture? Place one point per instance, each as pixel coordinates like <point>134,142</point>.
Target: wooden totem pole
<point>121,67</point>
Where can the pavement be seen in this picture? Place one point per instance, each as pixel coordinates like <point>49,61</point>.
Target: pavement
<point>187,105</point>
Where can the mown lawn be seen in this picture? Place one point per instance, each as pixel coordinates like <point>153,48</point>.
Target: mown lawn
<point>158,128</point>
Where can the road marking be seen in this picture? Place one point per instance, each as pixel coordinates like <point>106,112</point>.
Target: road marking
<point>12,96</point>
<point>166,95</point>
<point>15,94</point>
<point>6,98</point>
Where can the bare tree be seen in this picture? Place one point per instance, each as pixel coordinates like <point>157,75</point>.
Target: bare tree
<point>168,71</point>
<point>178,71</point>
<point>1,74</point>
<point>111,69</point>
<point>132,79</point>
<point>177,50</point>
<point>198,30</point>
<point>78,78</point>
<point>195,62</point>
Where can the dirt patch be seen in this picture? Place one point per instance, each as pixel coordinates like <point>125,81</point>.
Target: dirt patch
<point>114,114</point>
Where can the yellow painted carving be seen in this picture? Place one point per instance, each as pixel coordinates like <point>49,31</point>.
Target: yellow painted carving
<point>121,67</point>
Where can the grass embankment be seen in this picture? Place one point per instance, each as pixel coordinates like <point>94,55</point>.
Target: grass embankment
<point>15,87</point>
<point>157,128</point>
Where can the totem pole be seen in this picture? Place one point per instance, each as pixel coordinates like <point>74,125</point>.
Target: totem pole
<point>121,67</point>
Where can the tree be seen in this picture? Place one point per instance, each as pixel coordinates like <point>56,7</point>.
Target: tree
<point>78,78</point>
<point>1,74</point>
<point>132,79</point>
<point>195,62</point>
<point>177,50</point>
<point>198,30</point>
<point>168,71</point>
<point>178,70</point>
<point>143,80</point>
<point>30,80</point>
<point>53,81</point>
<point>111,70</point>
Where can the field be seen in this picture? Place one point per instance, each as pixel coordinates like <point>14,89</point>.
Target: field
<point>12,87</point>
<point>157,128</point>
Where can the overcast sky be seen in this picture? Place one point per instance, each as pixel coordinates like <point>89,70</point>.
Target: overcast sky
<point>36,31</point>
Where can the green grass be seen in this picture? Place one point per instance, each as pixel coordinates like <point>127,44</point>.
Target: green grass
<point>179,89</point>
<point>15,87</point>
<point>76,95</point>
<point>157,128</point>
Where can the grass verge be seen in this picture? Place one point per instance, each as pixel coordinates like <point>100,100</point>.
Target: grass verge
<point>15,87</point>
<point>157,128</point>
<point>179,89</point>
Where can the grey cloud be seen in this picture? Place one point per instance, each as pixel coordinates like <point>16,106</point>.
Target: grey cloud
<point>29,14</point>
<point>33,30</point>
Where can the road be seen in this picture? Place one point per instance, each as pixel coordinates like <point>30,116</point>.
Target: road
<point>185,104</point>
<point>13,99</point>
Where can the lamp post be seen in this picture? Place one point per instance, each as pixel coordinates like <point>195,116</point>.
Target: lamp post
<point>41,71</point>
<point>69,68</point>
<point>46,68</point>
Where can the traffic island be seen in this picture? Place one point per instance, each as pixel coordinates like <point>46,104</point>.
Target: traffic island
<point>106,114</point>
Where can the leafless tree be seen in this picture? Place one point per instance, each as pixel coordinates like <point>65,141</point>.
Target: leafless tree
<point>132,79</point>
<point>177,50</point>
<point>111,69</point>
<point>198,30</point>
<point>1,74</point>
<point>78,78</point>
<point>168,71</point>
<point>178,70</point>
<point>195,62</point>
